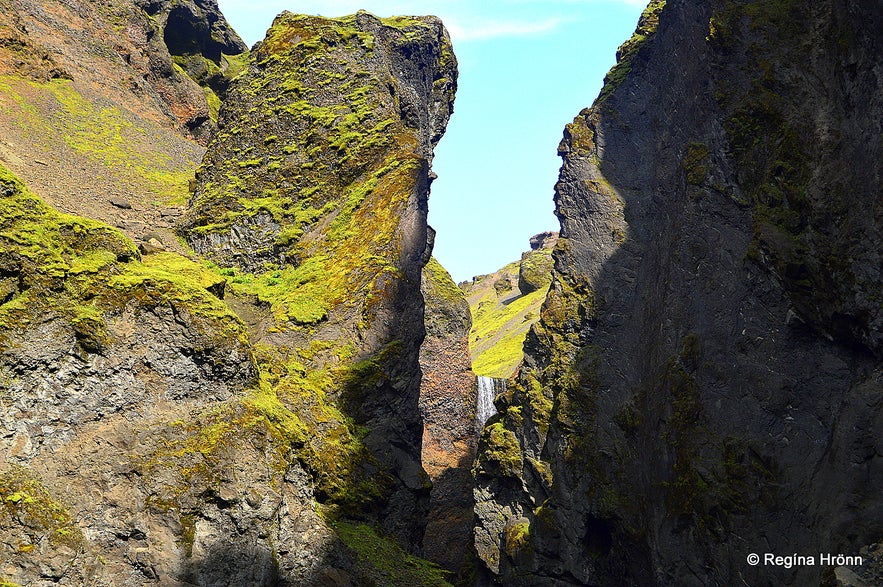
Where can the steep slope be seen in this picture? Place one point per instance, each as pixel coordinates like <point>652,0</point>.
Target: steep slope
<point>505,304</point>
<point>154,436</point>
<point>97,111</point>
<point>447,404</point>
<point>705,380</point>
<point>100,349</point>
<point>125,51</point>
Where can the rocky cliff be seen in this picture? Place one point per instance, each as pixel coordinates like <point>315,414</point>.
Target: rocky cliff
<point>253,420</point>
<point>705,379</point>
<point>98,115</point>
<point>313,197</point>
<point>447,404</point>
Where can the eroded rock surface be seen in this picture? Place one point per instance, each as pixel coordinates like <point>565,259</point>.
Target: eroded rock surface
<point>447,404</point>
<point>172,421</point>
<point>705,380</point>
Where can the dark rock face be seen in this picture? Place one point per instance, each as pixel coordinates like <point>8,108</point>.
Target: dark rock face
<point>543,240</point>
<point>705,380</point>
<point>447,404</point>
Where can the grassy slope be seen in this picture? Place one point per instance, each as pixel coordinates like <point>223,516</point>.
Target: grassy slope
<point>500,322</point>
<point>55,121</point>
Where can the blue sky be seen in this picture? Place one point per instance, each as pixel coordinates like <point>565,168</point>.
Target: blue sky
<point>527,67</point>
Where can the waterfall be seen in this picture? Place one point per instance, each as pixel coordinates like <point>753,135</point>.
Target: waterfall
<point>488,388</point>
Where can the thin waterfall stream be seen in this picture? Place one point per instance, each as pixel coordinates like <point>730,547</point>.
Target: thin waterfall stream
<point>488,388</point>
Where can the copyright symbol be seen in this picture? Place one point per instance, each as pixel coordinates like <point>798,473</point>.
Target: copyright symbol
<point>753,559</point>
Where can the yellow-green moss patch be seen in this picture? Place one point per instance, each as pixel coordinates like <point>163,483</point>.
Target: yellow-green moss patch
<point>385,562</point>
<point>133,151</point>
<point>83,270</point>
<point>23,497</point>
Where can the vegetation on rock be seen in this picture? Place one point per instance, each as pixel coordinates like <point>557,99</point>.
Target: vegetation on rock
<point>386,563</point>
<point>128,149</point>
<point>84,270</point>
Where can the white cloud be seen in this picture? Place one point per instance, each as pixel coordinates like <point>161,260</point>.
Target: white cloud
<point>482,30</point>
<point>465,19</point>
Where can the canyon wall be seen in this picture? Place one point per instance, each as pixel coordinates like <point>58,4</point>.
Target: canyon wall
<point>705,382</point>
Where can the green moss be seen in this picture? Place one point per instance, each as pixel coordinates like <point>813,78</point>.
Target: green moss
<point>188,533</point>
<point>498,329</point>
<point>517,538</point>
<point>441,285</point>
<point>384,562</point>
<point>687,487</point>
<point>83,270</point>
<point>337,176</point>
<point>499,451</point>
<point>535,270</point>
<point>694,163</point>
<point>776,158</point>
<point>628,418</point>
<point>339,158</point>
<point>130,149</point>
<point>236,64</point>
<point>213,101</point>
<point>626,53</point>
<point>24,498</point>
<point>366,222</point>
<point>294,413</point>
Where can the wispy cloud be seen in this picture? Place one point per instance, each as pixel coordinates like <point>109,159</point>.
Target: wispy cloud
<point>467,20</point>
<point>490,29</point>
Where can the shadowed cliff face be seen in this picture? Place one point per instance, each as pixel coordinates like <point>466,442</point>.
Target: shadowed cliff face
<point>447,404</point>
<point>705,379</point>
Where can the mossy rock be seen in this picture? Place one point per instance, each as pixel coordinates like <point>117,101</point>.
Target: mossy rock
<point>625,54</point>
<point>24,498</point>
<point>499,451</point>
<point>447,310</point>
<point>383,562</point>
<point>83,271</point>
<point>535,270</point>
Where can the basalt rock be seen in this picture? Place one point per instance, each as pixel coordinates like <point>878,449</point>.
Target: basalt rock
<point>171,421</point>
<point>535,269</point>
<point>313,197</point>
<point>705,380</point>
<point>447,404</point>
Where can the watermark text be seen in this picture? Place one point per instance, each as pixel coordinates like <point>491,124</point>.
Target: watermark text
<point>823,559</point>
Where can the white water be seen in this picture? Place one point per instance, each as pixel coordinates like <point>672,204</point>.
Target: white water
<point>488,388</point>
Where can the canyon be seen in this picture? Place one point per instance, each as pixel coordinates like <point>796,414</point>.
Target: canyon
<point>228,357</point>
